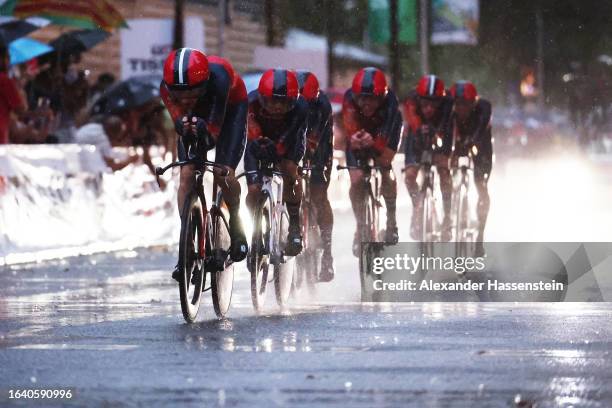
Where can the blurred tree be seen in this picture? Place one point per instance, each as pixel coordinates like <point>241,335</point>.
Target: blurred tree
<point>573,31</point>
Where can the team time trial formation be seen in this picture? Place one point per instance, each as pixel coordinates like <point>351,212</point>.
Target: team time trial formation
<point>287,122</point>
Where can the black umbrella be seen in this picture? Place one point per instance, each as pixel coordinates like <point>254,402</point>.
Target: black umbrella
<point>75,42</point>
<point>12,29</point>
<point>131,93</point>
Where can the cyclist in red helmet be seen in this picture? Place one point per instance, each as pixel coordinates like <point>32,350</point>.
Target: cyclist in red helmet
<point>319,149</point>
<point>373,124</point>
<point>207,100</point>
<point>427,113</point>
<point>471,121</point>
<point>277,133</point>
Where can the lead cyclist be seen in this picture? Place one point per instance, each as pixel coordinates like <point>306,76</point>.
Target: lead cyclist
<point>207,100</point>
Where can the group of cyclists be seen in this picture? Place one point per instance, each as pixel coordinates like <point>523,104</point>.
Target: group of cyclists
<point>288,119</point>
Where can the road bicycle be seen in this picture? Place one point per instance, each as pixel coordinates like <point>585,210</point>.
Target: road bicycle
<point>269,238</point>
<point>204,244</point>
<point>308,262</point>
<point>463,231</point>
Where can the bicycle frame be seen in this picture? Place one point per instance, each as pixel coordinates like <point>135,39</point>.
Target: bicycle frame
<point>272,187</point>
<point>201,167</point>
<point>372,189</point>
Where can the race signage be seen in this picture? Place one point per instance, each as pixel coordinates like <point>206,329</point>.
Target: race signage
<point>147,41</point>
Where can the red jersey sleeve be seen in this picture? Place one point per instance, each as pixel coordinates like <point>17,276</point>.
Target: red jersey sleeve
<point>253,128</point>
<point>410,114</point>
<point>349,116</point>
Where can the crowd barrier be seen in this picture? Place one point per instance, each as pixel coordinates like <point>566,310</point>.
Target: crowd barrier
<point>62,200</point>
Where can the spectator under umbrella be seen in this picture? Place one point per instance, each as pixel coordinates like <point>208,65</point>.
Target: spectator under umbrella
<point>11,99</point>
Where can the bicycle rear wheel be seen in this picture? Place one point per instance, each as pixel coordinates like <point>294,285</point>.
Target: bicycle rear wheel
<point>222,275</point>
<point>259,259</point>
<point>191,253</point>
<point>306,263</point>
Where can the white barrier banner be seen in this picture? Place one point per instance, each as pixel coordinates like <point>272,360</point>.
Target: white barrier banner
<point>63,198</point>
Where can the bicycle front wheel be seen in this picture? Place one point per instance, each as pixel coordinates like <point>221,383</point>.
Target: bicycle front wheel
<point>428,222</point>
<point>191,253</point>
<point>222,278</point>
<point>283,271</point>
<point>259,259</point>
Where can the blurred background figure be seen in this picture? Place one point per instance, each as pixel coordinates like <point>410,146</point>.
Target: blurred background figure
<point>102,135</point>
<point>11,98</point>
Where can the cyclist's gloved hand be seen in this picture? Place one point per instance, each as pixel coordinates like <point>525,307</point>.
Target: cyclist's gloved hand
<point>199,128</point>
<point>264,149</point>
<point>181,125</point>
<point>359,140</point>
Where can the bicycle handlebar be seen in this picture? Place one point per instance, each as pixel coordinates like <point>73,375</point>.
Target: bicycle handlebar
<point>365,168</point>
<point>265,171</point>
<point>204,164</point>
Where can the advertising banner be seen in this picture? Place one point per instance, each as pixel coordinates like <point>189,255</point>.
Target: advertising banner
<point>454,22</point>
<point>145,45</point>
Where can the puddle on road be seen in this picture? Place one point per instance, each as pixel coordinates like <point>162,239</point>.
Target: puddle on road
<point>64,346</point>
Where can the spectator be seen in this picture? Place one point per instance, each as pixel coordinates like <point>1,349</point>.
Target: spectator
<point>104,81</point>
<point>100,135</point>
<point>33,127</point>
<point>11,99</point>
<point>152,132</point>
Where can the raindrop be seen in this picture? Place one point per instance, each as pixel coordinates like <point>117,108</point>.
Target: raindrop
<point>221,397</point>
<point>480,389</point>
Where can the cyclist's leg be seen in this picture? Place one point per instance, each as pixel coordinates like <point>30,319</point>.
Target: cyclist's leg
<point>388,190</point>
<point>292,196</point>
<point>187,175</point>
<point>411,171</point>
<point>357,197</point>
<point>292,193</point>
<point>253,180</point>
<point>441,161</point>
<point>230,147</point>
<point>325,217</point>
<point>483,164</point>
<point>186,183</point>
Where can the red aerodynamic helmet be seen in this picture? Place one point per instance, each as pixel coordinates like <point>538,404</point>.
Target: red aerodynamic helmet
<point>309,84</point>
<point>431,87</point>
<point>278,90</point>
<point>370,81</point>
<point>186,69</point>
<point>464,90</point>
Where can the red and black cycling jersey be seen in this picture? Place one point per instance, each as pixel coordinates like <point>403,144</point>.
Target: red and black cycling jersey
<point>319,136</point>
<point>225,87</point>
<point>477,127</point>
<point>285,130</point>
<point>476,130</point>
<point>440,123</point>
<point>384,125</point>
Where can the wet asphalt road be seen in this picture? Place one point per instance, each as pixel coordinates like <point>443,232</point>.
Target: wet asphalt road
<point>109,327</point>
